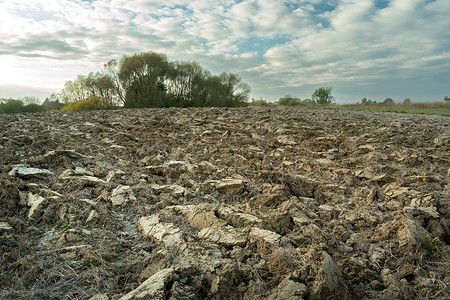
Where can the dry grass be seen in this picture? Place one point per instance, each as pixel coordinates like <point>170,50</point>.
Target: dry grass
<point>283,261</point>
<point>438,108</point>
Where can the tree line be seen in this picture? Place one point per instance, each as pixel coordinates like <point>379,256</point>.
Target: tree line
<point>149,79</point>
<point>28,104</point>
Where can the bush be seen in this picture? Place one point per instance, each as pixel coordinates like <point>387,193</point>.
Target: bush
<point>388,101</point>
<point>12,106</point>
<point>289,101</point>
<point>259,102</point>
<point>92,103</point>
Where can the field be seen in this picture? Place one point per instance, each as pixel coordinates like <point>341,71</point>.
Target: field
<point>438,108</point>
<point>217,203</point>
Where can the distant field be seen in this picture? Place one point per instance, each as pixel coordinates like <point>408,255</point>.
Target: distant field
<point>419,108</point>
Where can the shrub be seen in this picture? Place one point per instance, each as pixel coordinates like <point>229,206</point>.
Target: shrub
<point>259,102</point>
<point>288,100</point>
<point>11,106</point>
<point>388,101</point>
<point>92,103</point>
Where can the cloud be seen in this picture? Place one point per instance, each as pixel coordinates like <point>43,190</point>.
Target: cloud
<point>277,46</point>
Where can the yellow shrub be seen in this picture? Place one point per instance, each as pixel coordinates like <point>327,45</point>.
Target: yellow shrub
<point>92,103</point>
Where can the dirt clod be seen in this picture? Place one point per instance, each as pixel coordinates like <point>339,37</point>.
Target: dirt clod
<point>224,203</point>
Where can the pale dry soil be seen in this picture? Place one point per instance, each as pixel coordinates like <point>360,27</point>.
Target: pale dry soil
<point>224,204</point>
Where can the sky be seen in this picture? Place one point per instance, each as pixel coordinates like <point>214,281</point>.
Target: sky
<point>361,48</point>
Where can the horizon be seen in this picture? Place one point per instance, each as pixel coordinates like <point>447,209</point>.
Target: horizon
<point>375,49</point>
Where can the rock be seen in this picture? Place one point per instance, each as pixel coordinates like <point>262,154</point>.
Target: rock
<point>35,202</point>
<point>173,168</point>
<point>204,216</point>
<point>35,207</point>
<point>182,209</point>
<point>165,233</point>
<point>226,281</point>
<point>405,270</point>
<point>299,218</point>
<point>237,218</point>
<point>230,186</point>
<point>24,171</point>
<point>345,249</point>
<point>121,195</point>
<point>207,167</point>
<point>411,235</point>
<point>274,195</point>
<point>153,288</point>
<point>5,227</point>
<point>428,212</point>
<point>68,153</point>
<point>99,297</point>
<point>396,289</point>
<point>176,191</point>
<point>93,218</point>
<point>286,140</point>
<point>205,259</point>
<point>71,252</point>
<point>69,236</point>
<point>288,290</point>
<point>377,256</point>
<point>329,283</point>
<point>91,180</point>
<point>81,171</point>
<point>226,236</point>
<point>268,239</point>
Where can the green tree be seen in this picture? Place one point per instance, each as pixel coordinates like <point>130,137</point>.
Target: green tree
<point>366,101</point>
<point>142,77</point>
<point>407,101</point>
<point>388,101</point>
<point>27,100</point>
<point>186,84</point>
<point>323,95</point>
<point>446,99</point>
<point>288,100</point>
<point>260,102</point>
<point>226,90</point>
<point>112,69</point>
<point>308,102</point>
<point>11,106</point>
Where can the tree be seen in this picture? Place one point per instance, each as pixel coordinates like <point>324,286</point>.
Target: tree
<point>407,101</point>
<point>27,100</point>
<point>446,99</point>
<point>388,101</point>
<point>142,77</point>
<point>260,102</point>
<point>288,100</point>
<point>75,90</point>
<point>11,106</point>
<point>112,68</point>
<point>148,79</point>
<point>186,83</point>
<point>367,101</point>
<point>323,95</point>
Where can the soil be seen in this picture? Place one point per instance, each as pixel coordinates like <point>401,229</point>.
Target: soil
<point>220,203</point>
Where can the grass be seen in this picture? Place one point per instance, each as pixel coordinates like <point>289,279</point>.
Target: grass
<point>435,108</point>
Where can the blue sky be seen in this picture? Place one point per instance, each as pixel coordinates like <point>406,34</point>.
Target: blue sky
<point>361,48</point>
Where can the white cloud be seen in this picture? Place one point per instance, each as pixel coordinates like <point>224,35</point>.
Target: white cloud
<point>296,43</point>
